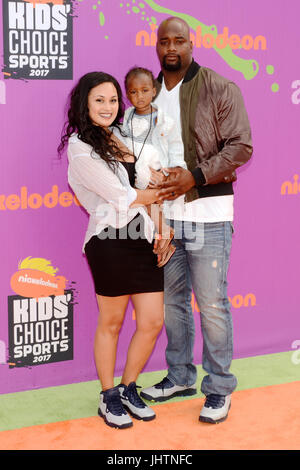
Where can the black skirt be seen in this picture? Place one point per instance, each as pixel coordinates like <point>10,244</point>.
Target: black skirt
<point>121,264</point>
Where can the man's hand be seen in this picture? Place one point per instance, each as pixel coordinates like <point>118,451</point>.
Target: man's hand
<point>179,182</point>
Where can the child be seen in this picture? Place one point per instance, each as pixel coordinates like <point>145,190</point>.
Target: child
<point>151,135</point>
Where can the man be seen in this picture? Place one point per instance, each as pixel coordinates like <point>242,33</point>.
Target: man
<point>216,135</point>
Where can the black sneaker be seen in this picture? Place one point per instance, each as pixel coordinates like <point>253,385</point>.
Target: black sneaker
<point>215,409</point>
<point>134,404</point>
<point>165,390</point>
<point>112,410</point>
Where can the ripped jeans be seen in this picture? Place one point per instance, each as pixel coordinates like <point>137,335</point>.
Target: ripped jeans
<point>200,262</point>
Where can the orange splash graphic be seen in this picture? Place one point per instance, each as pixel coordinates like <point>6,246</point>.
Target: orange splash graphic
<point>36,278</point>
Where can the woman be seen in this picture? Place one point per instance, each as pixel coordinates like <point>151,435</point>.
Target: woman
<point>118,243</point>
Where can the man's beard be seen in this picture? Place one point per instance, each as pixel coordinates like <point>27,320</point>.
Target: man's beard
<point>172,67</point>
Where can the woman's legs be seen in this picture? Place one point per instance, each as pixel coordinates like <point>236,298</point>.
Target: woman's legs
<point>149,309</point>
<point>149,321</point>
<point>112,310</point>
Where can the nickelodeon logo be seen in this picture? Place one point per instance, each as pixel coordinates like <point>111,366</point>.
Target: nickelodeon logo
<point>13,202</point>
<point>208,40</point>
<point>36,278</point>
<point>238,301</point>
<point>291,187</point>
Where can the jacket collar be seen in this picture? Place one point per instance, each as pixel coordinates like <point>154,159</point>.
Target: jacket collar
<point>191,72</point>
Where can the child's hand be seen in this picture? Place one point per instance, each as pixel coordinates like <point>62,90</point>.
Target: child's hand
<point>163,247</point>
<point>157,178</point>
<point>164,258</point>
<point>171,176</point>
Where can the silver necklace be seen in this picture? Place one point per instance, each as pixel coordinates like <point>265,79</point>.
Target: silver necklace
<point>132,140</point>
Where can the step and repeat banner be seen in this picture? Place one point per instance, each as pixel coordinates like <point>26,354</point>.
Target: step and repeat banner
<point>48,309</point>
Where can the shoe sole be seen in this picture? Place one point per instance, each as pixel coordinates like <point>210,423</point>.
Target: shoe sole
<point>205,419</point>
<point>183,393</point>
<point>113,425</point>
<point>145,418</point>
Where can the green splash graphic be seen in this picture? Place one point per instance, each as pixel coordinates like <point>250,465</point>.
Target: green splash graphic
<point>249,68</point>
<point>101,17</point>
<point>139,10</point>
<point>270,71</point>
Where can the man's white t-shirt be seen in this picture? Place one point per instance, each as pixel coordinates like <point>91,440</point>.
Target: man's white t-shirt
<point>206,209</point>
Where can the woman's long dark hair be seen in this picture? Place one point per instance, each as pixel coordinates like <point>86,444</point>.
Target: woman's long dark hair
<point>79,121</point>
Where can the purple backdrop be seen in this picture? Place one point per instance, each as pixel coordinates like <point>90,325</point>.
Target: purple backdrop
<point>38,221</point>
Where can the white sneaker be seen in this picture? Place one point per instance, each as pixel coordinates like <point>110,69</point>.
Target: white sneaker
<point>134,404</point>
<point>215,409</point>
<point>112,410</point>
<point>165,390</point>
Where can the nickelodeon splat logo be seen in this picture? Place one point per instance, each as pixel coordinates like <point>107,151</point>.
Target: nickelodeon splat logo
<point>290,187</point>
<point>36,278</point>
<point>208,40</point>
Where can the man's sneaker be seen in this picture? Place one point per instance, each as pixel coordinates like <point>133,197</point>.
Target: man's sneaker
<point>165,390</point>
<point>215,409</point>
<point>134,404</point>
<point>112,410</point>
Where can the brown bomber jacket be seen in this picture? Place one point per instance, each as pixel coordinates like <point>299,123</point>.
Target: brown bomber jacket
<point>215,130</point>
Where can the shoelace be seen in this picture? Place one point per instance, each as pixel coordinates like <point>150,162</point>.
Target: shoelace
<point>133,396</point>
<point>114,404</point>
<point>164,383</point>
<point>214,401</point>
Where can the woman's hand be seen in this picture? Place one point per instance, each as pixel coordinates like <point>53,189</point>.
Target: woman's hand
<point>145,197</point>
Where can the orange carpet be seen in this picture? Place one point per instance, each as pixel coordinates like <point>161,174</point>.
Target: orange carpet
<point>265,418</point>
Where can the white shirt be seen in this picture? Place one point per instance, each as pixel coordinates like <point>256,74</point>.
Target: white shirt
<point>106,195</point>
<point>206,209</point>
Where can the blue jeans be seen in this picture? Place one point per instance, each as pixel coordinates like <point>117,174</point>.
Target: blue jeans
<point>200,262</point>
